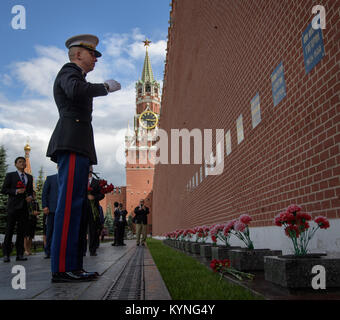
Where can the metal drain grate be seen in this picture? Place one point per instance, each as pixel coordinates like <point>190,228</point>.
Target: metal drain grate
<point>130,283</point>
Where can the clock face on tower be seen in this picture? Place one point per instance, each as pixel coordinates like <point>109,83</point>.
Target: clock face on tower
<point>148,119</point>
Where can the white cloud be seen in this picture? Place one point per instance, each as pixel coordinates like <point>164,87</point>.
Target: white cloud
<point>115,44</point>
<point>156,50</point>
<point>34,114</point>
<point>6,79</point>
<point>38,74</point>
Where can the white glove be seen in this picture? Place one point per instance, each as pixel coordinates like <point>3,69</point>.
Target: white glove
<point>113,85</point>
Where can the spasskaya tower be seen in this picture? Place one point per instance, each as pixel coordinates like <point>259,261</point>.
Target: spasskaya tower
<point>139,142</point>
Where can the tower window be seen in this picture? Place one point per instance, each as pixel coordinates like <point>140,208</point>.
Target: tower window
<point>139,91</point>
<point>148,88</point>
<point>156,91</point>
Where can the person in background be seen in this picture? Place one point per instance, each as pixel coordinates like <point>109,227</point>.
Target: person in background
<point>93,213</point>
<point>49,204</point>
<point>18,185</point>
<point>115,226</point>
<point>102,221</point>
<point>141,221</point>
<point>44,229</point>
<point>33,212</point>
<point>121,223</point>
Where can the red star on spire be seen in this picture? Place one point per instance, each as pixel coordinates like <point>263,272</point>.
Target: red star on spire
<point>146,43</point>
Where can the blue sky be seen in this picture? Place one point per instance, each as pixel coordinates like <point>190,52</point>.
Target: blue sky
<point>31,58</point>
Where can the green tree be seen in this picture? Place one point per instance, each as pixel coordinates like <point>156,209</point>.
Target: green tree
<point>108,220</point>
<point>3,198</point>
<point>38,190</point>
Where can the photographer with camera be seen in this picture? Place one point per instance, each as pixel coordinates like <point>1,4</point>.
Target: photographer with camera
<point>141,221</point>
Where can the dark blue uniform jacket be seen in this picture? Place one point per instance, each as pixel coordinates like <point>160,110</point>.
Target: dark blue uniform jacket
<point>74,96</point>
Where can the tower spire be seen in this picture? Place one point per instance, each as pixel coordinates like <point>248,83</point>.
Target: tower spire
<point>147,74</point>
<point>27,150</point>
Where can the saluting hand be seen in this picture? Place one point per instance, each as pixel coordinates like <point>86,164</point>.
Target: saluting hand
<point>113,85</point>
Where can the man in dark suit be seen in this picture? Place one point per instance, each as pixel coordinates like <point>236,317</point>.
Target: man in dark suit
<point>49,204</point>
<point>18,185</point>
<point>94,225</point>
<point>72,147</point>
<point>141,221</point>
<point>120,223</point>
<point>115,226</point>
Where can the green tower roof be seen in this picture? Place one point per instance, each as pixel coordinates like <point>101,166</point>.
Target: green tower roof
<point>147,74</point>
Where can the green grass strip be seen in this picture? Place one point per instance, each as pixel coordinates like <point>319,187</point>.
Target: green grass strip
<point>187,279</point>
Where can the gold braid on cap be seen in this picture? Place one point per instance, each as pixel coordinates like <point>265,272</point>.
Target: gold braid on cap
<point>86,45</point>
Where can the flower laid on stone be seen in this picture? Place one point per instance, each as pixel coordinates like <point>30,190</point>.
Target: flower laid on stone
<point>224,266</point>
<point>297,227</point>
<point>240,229</point>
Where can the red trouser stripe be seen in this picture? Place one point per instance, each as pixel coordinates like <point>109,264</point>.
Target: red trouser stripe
<point>67,214</point>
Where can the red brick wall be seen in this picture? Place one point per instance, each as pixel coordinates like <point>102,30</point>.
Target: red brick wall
<point>139,182</point>
<point>220,54</point>
<point>112,197</point>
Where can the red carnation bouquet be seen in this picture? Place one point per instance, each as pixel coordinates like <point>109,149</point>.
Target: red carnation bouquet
<point>104,187</point>
<point>20,185</point>
<point>297,227</point>
<point>187,234</point>
<point>224,266</point>
<point>202,233</point>
<point>240,228</point>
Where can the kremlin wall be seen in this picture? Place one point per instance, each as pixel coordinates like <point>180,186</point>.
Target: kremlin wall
<point>259,71</point>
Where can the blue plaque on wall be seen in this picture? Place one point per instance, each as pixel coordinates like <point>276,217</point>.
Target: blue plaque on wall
<point>255,110</point>
<point>278,84</point>
<point>313,48</point>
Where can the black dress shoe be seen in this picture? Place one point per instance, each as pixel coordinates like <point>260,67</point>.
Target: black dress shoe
<point>113,244</point>
<point>70,277</point>
<point>88,273</point>
<point>7,259</point>
<point>21,258</point>
<point>47,257</point>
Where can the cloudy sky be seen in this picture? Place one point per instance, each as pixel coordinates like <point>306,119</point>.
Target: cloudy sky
<point>31,58</point>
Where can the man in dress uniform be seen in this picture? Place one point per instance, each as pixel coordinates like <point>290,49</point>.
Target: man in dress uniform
<point>18,185</point>
<point>72,147</point>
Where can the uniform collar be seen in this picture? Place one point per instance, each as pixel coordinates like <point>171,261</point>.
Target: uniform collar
<point>80,68</point>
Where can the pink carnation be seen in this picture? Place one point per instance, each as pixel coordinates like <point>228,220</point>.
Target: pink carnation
<point>245,218</point>
<point>279,219</point>
<point>239,226</point>
<point>293,208</point>
<point>228,227</point>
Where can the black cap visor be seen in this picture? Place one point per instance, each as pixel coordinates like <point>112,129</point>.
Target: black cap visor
<point>96,53</point>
